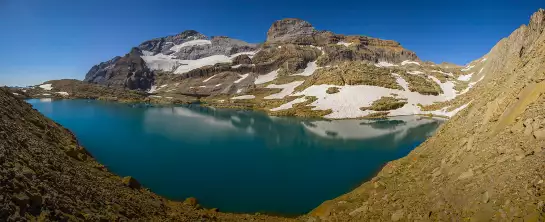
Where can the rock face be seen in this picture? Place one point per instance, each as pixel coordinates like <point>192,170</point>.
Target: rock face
<point>129,71</point>
<point>163,45</point>
<point>290,30</point>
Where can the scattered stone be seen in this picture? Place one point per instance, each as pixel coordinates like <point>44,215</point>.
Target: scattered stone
<point>131,182</point>
<point>486,197</point>
<point>465,175</point>
<point>528,130</point>
<point>21,199</point>
<point>398,215</point>
<point>359,210</point>
<point>191,201</point>
<point>539,134</point>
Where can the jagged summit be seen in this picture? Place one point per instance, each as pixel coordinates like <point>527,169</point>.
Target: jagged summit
<point>289,29</point>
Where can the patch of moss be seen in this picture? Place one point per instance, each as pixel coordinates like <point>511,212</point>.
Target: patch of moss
<point>386,103</point>
<point>352,73</point>
<point>332,90</point>
<point>422,85</point>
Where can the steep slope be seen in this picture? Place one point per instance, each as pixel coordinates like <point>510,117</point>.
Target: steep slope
<point>486,163</point>
<point>47,176</point>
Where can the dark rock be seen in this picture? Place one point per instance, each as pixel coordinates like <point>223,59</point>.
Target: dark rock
<point>131,182</point>
<point>129,71</point>
<point>242,59</point>
<point>191,201</point>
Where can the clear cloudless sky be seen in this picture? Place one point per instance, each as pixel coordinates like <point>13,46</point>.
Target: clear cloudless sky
<point>52,39</point>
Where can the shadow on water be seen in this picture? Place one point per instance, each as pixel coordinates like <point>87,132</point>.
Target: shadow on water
<point>238,161</point>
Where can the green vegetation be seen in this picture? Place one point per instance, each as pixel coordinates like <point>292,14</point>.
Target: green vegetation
<point>332,90</point>
<point>422,85</point>
<point>352,73</point>
<point>386,103</point>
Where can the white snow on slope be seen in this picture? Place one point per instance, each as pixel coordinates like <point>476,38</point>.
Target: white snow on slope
<point>465,78</point>
<point>179,66</point>
<point>484,59</point>
<point>384,64</point>
<point>287,89</point>
<point>62,93</point>
<point>480,70</point>
<point>446,73</point>
<point>409,62</point>
<point>470,85</point>
<point>448,88</point>
<point>415,72</point>
<point>467,68</point>
<point>242,77</point>
<point>347,103</point>
<point>289,105</point>
<point>217,85</point>
<point>266,78</point>
<point>190,43</point>
<point>401,81</point>
<point>206,80</point>
<point>244,97</point>
<point>344,43</point>
<point>46,87</point>
<point>444,112</point>
<point>15,94</point>
<point>152,89</point>
<point>309,70</point>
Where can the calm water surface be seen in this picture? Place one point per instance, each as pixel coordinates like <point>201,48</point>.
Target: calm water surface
<point>237,161</point>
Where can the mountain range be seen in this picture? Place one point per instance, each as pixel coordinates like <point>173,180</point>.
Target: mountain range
<point>485,163</point>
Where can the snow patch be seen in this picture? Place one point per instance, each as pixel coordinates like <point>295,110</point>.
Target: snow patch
<point>465,78</point>
<point>15,94</point>
<point>444,112</point>
<point>415,72</point>
<point>401,81</point>
<point>467,68</point>
<point>206,80</point>
<point>309,70</point>
<point>446,73</point>
<point>287,89</point>
<point>217,85</point>
<point>242,77</point>
<point>406,62</point>
<point>177,48</point>
<point>62,93</point>
<point>290,104</point>
<point>47,87</point>
<point>266,78</point>
<point>244,97</point>
<point>344,43</point>
<point>152,89</point>
<point>384,64</point>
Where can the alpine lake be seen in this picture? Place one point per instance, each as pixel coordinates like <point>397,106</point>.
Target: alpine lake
<point>234,160</point>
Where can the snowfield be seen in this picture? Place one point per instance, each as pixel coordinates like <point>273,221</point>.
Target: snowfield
<point>178,66</point>
<point>47,87</point>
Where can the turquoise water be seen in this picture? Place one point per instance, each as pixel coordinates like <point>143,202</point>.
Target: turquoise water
<point>237,161</point>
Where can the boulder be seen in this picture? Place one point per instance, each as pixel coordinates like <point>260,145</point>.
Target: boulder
<point>242,60</point>
<point>131,182</point>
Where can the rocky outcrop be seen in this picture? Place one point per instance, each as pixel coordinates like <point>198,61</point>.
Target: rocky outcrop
<point>129,71</point>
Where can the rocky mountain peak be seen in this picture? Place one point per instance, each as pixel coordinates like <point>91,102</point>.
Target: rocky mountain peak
<point>537,21</point>
<point>289,29</point>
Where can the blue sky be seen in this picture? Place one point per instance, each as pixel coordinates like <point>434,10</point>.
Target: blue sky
<point>52,39</point>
